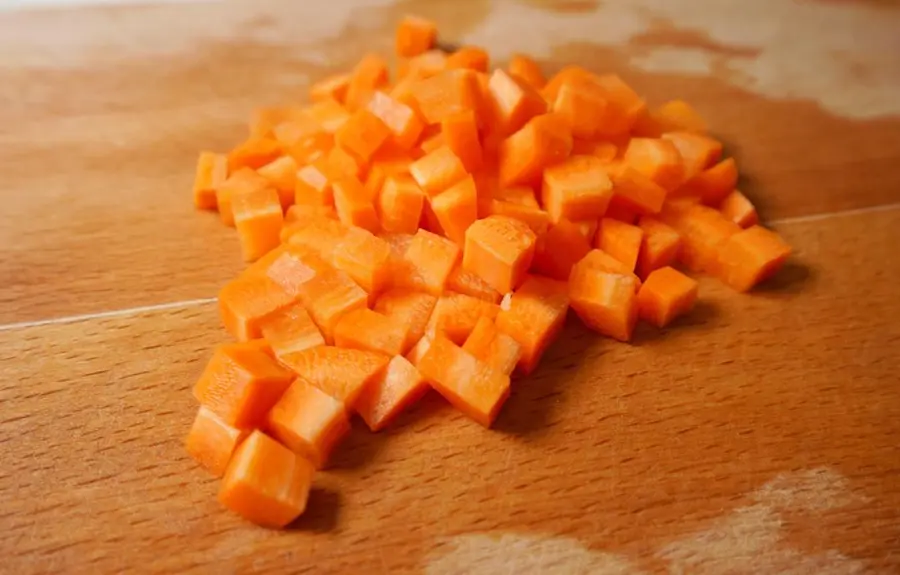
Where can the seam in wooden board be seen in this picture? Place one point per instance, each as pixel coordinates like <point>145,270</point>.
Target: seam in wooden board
<point>204,301</point>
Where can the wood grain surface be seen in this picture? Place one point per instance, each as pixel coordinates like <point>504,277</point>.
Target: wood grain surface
<point>758,435</point>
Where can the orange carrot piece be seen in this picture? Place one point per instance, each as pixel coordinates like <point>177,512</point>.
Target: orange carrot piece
<point>266,482</point>
<point>308,421</point>
<point>544,140</point>
<point>534,316</point>
<point>431,143</point>
<point>311,148</point>
<point>750,257</point>
<point>282,175</point>
<point>246,300</point>
<point>260,345</point>
<point>459,131</point>
<point>584,106</point>
<point>343,163</point>
<point>297,127</point>
<point>332,87</point>
<point>353,204</point>
<point>698,152</point>
<point>532,216</point>
<point>255,152</point>
<point>588,229</point>
<point>456,314</point>
<point>446,93</point>
<point>365,258</point>
<point>604,301</point>
<point>467,383</point>
<point>424,65</point>
<point>620,212</point>
<point>624,100</point>
<point>737,208</point>
<point>399,204</point>
<point>258,219</point>
<point>511,102</point>
<point>620,240</point>
<point>414,36</point>
<point>240,384</point>
<point>703,232</point>
<point>211,441</point>
<point>634,191</point>
<point>568,74</point>
<point>289,330</point>
<point>212,171</point>
<point>657,159</point>
<point>341,373</point>
<point>469,57</point>
<point>329,114</point>
<point>665,295</point>
<point>499,250</point>
<point>371,331</point>
<point>488,344</point>
<point>577,188</point>
<point>362,134</point>
<point>604,151</point>
<point>370,74</point>
<point>713,184</point>
<point>660,246</point>
<point>526,70</point>
<point>409,308</point>
<point>437,171</point>
<point>402,122</point>
<point>418,351</point>
<point>432,258</point>
<point>242,181</point>
<point>321,236</point>
<point>560,249</point>
<point>679,115</point>
<point>465,282</point>
<point>456,209</point>
<point>312,184</point>
<point>397,387</point>
<point>599,260</point>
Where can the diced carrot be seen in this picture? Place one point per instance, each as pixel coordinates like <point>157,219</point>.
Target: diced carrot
<point>212,171</point>
<point>526,70</point>
<point>258,219</point>
<point>397,387</point>
<point>599,260</point>
<point>568,74</point>
<point>261,345</point>
<point>424,65</point>
<point>584,106</point>
<point>266,483</point>
<point>534,316</point>
<point>703,232</point>
<point>297,127</point>
<point>433,258</point>
<point>446,93</point>
<point>465,282</point>
<point>521,195</point>
<point>620,212</point>
<point>469,384</point>
<point>497,349</point>
<point>544,140</point>
<point>211,441</point>
<point>437,171</point>
<point>330,87</point>
<point>604,301</point>
<point>622,97</point>
<point>365,258</point>
<point>290,329</point>
<point>255,152</point>
<point>306,214</point>
<point>647,125</point>
<point>371,331</point>
<point>261,266</point>
<point>532,216</point>
<point>456,314</point>
<point>469,57</point>
<point>698,152</point>
<point>713,184</point>
<point>620,240</point>
<point>353,204</point>
<point>370,74</point>
<point>343,163</point>
<point>635,191</point>
<point>308,421</point>
<point>387,162</point>
<point>414,36</point>
<point>459,131</point>
<point>362,134</point>
<point>406,307</point>
<point>282,175</point>
<point>242,181</point>
<point>511,102</point>
<point>341,373</point>
<point>660,246</point>
<point>737,208</point>
<point>311,148</point>
<point>320,235</point>
<point>399,204</point>
<point>418,351</point>
<point>431,143</point>
<point>329,114</point>
<point>246,300</point>
<point>402,122</point>
<point>588,229</point>
<point>456,209</point>
<point>500,250</point>
<point>559,249</point>
<point>665,295</point>
<point>240,384</point>
<point>577,188</point>
<point>604,151</point>
<point>312,184</point>
<point>657,159</point>
<point>751,256</point>
<point>679,115</point>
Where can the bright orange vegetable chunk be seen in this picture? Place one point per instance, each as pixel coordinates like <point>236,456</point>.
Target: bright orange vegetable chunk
<point>703,232</point>
<point>432,258</point>
<point>370,74</point>
<point>751,256</point>
<point>291,329</point>
<point>470,385</point>
<point>534,316</point>
<point>604,301</point>
<point>242,181</point>
<point>737,208</point>
<point>398,386</point>
<point>456,315</point>
<point>497,349</point>
<point>499,250</point>
<point>409,308</point>
<point>698,152</point>
<point>343,163</point>
<point>666,294</point>
<point>400,204</point>
<point>544,140</point>
<point>560,249</point>
<point>341,373</point>
<point>447,93</point>
<point>246,300</point>
<point>512,102</point>
<point>437,170</point>
<point>312,184</point>
<point>254,153</point>
<point>584,106</point>
<point>456,209</point>
<point>363,134</point>
<point>258,219</point>
<point>354,205</point>
<point>660,246</point>
<point>212,170</point>
<point>401,120</point>
<point>282,175</point>
<point>308,421</point>
<point>577,188</point>
<point>415,35</point>
<point>657,159</point>
<point>469,57</point>
<point>527,70</point>
<point>620,240</point>
<point>635,191</point>
<point>465,282</point>
<point>459,131</point>
<point>365,258</point>
<point>266,482</point>
<point>211,441</point>
<point>330,87</point>
<point>713,184</point>
<point>679,115</point>
<point>369,330</point>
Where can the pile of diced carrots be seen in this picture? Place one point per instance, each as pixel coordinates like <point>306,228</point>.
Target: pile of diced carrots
<point>432,233</point>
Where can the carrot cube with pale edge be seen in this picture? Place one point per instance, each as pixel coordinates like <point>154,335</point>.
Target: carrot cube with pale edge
<point>330,87</point>
<point>404,125</point>
<point>679,115</point>
<point>470,385</point>
<point>432,259</point>
<point>713,184</point>
<point>524,68</point>
<point>660,245</point>
<point>260,345</point>
<point>456,209</point>
<point>703,232</point>
<point>308,421</point>
<point>499,250</point>
<point>370,74</point>
<point>353,204</point>
<point>240,384</point>
<point>497,349</point>
<point>511,102</point>
<point>577,188</point>
<point>258,219</point>
<point>241,181</point>
<point>437,170</point>
<point>329,114</point>
<point>311,148</point>
<point>456,314</point>
<point>211,441</point>
<point>634,191</point>
<point>282,175</point>
<point>369,330</point>
<point>751,256</point>
<point>341,373</point>
<point>343,163</point>
<point>459,131</point>
<point>398,386</point>
<point>365,258</point>
<point>409,308</point>
<point>657,159</point>
<point>559,249</point>
<point>534,316</point>
<point>321,236</point>
<point>297,127</point>
<point>665,295</point>
<point>544,140</point>
<point>266,482</point>
<point>604,301</point>
<point>255,152</point>
<point>212,171</point>
<point>400,204</point>
<point>291,329</point>
<point>312,184</point>
<point>299,217</point>
<point>583,105</point>
<point>737,208</point>
<point>620,240</point>
<point>468,57</point>
<point>414,36</point>
<point>446,93</point>
<point>246,300</point>
<point>362,134</point>
<point>599,260</point>
<point>698,152</point>
<point>465,282</point>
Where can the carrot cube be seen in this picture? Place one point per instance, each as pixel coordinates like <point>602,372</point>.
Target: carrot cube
<point>456,314</point>
<point>437,170</point>
<point>258,219</point>
<point>459,131</point>
<point>341,373</point>
<point>211,441</point>
<point>365,258</point>
<point>703,232</point>
<point>456,209</point>
<point>534,316</point>
<point>330,87</point>
<point>418,351</point>
<point>523,68</point>
<point>584,106</point>
<point>604,301</point>
<point>397,387</point>
<point>657,159</point>
<point>433,258</point>
<point>400,204</point>
<point>402,122</point>
<point>311,148</point>
<point>577,188</point>
<point>698,152</point>
<point>308,421</point>
<point>679,115</point>
<point>329,114</point>
<point>212,171</point>
<point>713,184</point>
<point>751,256</point>
<point>620,240</point>
<point>617,211</point>
<point>253,153</point>
<point>408,308</point>
<point>342,163</point>
<point>544,140</point>
<point>320,235</point>
<point>242,181</point>
<point>499,250</point>
<point>737,208</point>
<point>266,482</point>
<point>634,191</point>
<point>660,246</point>
<point>468,57</point>
<point>246,300</point>
<point>371,331</point>
<point>414,36</point>
<point>469,384</point>
<point>301,216</point>
<point>665,295</point>
<point>240,384</point>
<point>495,348</point>
<point>362,134</point>
<point>298,126</point>
<point>282,175</point>
<point>465,282</point>
<point>312,184</point>
<point>511,102</point>
<point>260,345</point>
<point>624,100</point>
<point>353,204</point>
<point>532,216</point>
<point>370,74</point>
<point>290,329</point>
<point>599,260</point>
<point>446,93</point>
<point>559,249</point>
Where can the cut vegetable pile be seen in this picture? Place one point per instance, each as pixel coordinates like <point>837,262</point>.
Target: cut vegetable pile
<point>432,233</point>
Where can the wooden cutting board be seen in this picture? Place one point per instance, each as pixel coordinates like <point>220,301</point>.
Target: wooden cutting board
<point>758,435</point>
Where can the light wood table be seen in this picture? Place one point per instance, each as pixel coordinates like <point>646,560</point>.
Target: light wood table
<point>758,435</point>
